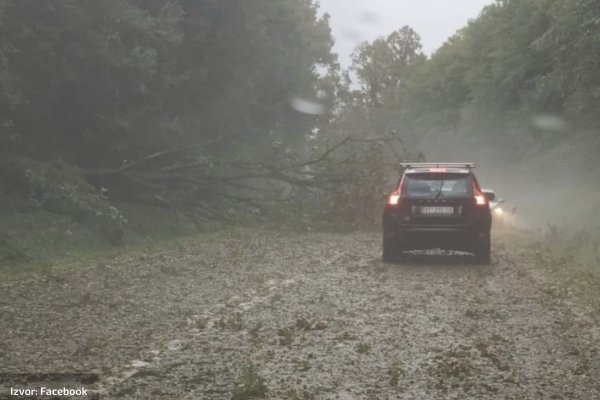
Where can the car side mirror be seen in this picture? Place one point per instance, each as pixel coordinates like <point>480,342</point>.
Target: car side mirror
<point>489,194</point>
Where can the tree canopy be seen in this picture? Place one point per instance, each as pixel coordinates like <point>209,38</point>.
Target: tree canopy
<point>99,83</point>
<point>186,103</point>
<point>519,80</point>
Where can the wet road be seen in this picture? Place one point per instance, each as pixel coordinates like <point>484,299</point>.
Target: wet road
<point>305,316</point>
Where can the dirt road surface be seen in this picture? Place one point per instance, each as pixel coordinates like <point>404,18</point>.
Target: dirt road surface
<point>304,316</point>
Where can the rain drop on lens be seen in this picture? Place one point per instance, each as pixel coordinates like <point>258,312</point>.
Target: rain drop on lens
<point>305,106</point>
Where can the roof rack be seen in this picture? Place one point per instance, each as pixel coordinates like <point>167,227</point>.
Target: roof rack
<point>438,165</point>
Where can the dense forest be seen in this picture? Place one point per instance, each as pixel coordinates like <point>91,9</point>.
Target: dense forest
<point>150,102</point>
<point>206,108</point>
<point>517,90</point>
<point>519,81</point>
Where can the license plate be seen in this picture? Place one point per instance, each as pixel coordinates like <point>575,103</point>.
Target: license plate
<point>437,210</point>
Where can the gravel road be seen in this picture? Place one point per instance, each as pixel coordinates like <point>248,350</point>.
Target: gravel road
<point>305,316</point>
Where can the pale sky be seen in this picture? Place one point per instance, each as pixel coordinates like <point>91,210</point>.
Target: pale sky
<point>354,21</point>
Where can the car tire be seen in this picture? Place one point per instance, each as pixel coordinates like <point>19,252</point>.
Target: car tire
<point>390,251</point>
<point>483,251</point>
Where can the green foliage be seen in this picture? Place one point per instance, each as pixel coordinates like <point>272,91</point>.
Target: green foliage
<point>344,191</point>
<point>518,82</point>
<point>357,175</point>
<point>59,188</point>
<point>355,201</point>
<point>100,85</point>
<point>84,75</point>
<point>518,63</point>
<point>97,83</point>
<point>249,385</point>
<point>572,43</point>
<point>384,66</point>
<point>9,253</point>
<point>384,69</point>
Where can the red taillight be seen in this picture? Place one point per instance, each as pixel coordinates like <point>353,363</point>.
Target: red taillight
<point>480,198</point>
<point>394,197</point>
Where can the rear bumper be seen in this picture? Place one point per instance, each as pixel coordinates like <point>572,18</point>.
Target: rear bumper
<point>404,230</point>
<point>449,229</point>
<point>418,237</point>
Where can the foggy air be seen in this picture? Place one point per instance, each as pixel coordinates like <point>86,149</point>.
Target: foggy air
<point>299,199</point>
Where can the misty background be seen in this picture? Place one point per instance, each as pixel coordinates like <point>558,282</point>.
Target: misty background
<point>354,21</point>
<point>541,186</point>
<point>191,197</point>
<point>142,119</point>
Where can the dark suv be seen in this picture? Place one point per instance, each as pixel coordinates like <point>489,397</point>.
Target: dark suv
<point>437,205</point>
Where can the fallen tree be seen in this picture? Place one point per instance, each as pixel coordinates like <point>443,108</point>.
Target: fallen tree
<point>332,183</point>
<point>190,179</point>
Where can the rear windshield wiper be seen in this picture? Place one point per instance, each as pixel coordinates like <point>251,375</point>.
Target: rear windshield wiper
<point>437,196</point>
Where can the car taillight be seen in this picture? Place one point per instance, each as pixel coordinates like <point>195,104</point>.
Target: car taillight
<point>394,197</point>
<point>480,198</point>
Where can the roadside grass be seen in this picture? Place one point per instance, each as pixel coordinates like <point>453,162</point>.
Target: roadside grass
<point>74,257</point>
<point>249,385</point>
<point>571,258</point>
<point>42,243</point>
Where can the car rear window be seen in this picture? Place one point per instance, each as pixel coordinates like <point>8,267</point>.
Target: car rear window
<point>437,186</point>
